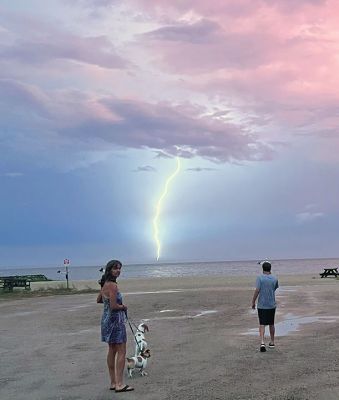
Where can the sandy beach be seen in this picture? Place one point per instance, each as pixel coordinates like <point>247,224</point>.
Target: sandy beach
<point>202,338</point>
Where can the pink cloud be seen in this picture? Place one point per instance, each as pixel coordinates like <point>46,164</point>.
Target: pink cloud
<point>125,123</point>
<point>91,50</point>
<point>282,66</point>
<point>276,71</point>
<point>202,31</point>
<point>32,41</point>
<point>15,95</point>
<point>232,8</point>
<point>93,3</point>
<point>268,37</point>
<point>208,47</point>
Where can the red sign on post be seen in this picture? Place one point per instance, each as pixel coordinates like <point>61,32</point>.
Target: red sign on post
<point>66,261</point>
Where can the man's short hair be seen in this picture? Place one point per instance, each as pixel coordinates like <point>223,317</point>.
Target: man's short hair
<point>266,266</point>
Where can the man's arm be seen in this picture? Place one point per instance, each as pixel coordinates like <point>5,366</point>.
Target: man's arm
<point>255,295</point>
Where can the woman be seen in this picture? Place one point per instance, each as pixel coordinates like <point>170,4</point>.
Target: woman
<point>113,330</point>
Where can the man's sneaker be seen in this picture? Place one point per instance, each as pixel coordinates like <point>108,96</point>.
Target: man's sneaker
<point>271,345</point>
<point>262,348</point>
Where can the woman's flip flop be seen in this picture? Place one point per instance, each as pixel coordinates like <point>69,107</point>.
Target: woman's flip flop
<point>124,389</point>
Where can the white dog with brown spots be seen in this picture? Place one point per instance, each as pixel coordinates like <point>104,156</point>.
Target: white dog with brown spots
<point>139,362</point>
<point>140,341</point>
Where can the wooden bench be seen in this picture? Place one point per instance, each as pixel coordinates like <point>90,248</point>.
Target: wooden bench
<point>10,282</point>
<point>328,272</point>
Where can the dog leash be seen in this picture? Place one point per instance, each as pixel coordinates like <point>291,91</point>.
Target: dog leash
<point>135,326</point>
<point>140,350</point>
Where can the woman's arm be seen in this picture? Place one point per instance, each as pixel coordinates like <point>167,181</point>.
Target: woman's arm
<point>113,290</point>
<point>99,298</point>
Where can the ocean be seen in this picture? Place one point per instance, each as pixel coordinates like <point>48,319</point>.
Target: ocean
<point>223,268</point>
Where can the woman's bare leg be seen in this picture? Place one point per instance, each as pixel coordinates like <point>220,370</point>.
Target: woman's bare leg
<point>112,351</point>
<point>120,365</point>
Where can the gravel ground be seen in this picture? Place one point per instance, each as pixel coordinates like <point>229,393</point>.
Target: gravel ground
<point>50,345</point>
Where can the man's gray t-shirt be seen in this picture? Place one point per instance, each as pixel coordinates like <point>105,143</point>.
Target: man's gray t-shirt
<point>267,285</point>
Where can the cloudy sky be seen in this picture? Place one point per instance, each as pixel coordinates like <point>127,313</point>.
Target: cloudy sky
<point>98,97</point>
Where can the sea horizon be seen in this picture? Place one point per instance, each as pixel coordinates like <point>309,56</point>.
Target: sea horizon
<point>179,269</point>
<point>166,262</point>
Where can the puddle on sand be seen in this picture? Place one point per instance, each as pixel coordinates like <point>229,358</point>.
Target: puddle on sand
<point>292,323</point>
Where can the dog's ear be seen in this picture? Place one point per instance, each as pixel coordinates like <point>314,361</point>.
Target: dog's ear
<point>145,328</point>
<point>147,352</point>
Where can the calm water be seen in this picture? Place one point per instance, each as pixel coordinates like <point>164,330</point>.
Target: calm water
<point>225,268</point>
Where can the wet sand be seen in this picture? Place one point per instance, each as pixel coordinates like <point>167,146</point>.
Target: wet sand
<point>201,338</point>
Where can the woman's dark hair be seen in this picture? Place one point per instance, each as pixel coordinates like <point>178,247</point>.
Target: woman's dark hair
<point>107,276</point>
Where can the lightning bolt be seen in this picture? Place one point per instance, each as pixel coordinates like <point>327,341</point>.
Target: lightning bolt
<point>159,205</point>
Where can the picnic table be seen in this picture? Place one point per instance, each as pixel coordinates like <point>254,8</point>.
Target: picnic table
<point>329,272</point>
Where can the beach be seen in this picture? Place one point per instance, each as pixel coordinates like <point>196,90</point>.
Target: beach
<point>203,341</point>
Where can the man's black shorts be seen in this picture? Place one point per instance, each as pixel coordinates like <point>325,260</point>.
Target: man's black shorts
<point>266,317</point>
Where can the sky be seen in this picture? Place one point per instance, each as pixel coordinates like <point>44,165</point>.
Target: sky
<point>99,97</point>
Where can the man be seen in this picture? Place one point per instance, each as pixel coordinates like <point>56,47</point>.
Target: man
<point>266,285</point>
